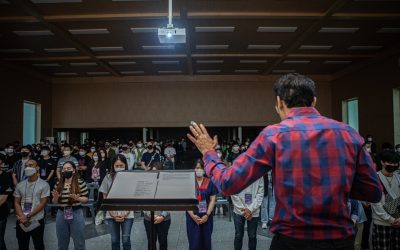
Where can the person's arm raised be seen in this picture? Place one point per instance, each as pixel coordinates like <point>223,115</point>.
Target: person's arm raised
<point>246,169</point>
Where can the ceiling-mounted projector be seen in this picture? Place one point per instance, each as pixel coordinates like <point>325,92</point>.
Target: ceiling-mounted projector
<point>171,34</point>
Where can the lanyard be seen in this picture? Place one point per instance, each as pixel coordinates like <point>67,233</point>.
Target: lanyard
<point>33,191</point>
<point>201,188</point>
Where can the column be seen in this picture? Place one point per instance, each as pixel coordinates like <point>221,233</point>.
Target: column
<point>240,134</point>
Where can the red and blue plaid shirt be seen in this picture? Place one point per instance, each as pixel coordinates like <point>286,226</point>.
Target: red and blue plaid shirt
<point>313,161</point>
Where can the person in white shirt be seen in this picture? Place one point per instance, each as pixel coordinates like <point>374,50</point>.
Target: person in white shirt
<point>130,157</point>
<point>139,151</point>
<point>247,209</point>
<point>386,213</point>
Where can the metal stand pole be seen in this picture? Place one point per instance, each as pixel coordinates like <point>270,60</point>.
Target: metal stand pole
<point>153,242</point>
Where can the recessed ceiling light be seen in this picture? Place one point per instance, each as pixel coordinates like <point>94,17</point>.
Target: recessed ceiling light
<point>366,47</point>
<point>264,46</point>
<point>315,47</point>
<point>389,30</point>
<point>214,29</point>
<point>33,32</point>
<point>98,73</point>
<point>60,50</point>
<point>338,29</point>
<point>170,71</point>
<point>337,62</point>
<point>276,29</point>
<point>16,50</point>
<point>98,49</point>
<point>296,61</point>
<point>212,46</point>
<point>145,30</point>
<point>89,31</point>
<point>122,63</point>
<point>246,70</point>
<point>253,61</point>
<point>165,62</point>
<point>65,74</point>
<point>209,61</point>
<point>83,64</point>
<point>56,1</point>
<point>209,71</point>
<point>132,72</point>
<point>148,47</point>
<point>46,65</point>
<point>284,71</point>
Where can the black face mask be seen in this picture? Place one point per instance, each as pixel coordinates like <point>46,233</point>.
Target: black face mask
<point>67,174</point>
<point>391,169</point>
<point>150,147</point>
<point>24,154</point>
<point>124,148</point>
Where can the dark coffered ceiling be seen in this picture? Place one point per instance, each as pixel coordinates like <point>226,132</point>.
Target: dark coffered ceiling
<point>65,38</point>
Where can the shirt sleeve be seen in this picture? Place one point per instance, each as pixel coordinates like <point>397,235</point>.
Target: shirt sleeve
<point>46,190</point>
<point>256,204</point>
<point>84,189</point>
<point>381,212</point>
<point>366,185</point>
<point>246,169</point>
<point>104,187</point>
<point>17,191</point>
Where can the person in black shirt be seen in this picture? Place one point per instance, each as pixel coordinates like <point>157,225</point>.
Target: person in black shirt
<point>48,166</point>
<point>149,157</point>
<point>234,154</point>
<point>84,164</point>
<point>5,185</point>
<point>11,156</point>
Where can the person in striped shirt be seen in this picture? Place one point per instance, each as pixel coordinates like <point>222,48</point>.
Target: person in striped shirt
<point>317,165</point>
<point>70,192</point>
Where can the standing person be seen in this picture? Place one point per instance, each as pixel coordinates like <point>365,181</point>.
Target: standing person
<point>31,196</point>
<point>66,150</point>
<point>19,166</point>
<point>99,168</point>
<point>317,163</point>
<point>268,205</point>
<point>130,158</point>
<point>5,185</point>
<point>170,153</point>
<point>11,157</point>
<point>246,208</point>
<point>149,157</point>
<point>48,166</point>
<point>233,155</point>
<point>386,213</point>
<point>199,224</point>
<point>70,193</point>
<point>84,164</point>
<point>105,159</point>
<point>361,219</point>
<point>139,151</point>
<point>110,152</point>
<point>162,221</point>
<point>118,220</point>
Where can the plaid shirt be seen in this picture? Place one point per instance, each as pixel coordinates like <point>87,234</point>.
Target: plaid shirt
<point>313,160</point>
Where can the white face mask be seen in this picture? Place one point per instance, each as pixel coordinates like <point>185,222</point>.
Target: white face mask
<point>9,151</point>
<point>235,149</point>
<point>92,150</point>
<point>199,173</point>
<point>140,145</point>
<point>44,153</point>
<point>95,158</point>
<point>119,169</point>
<point>398,150</point>
<point>369,150</point>
<point>219,155</point>
<point>369,139</point>
<point>81,153</point>
<point>30,171</point>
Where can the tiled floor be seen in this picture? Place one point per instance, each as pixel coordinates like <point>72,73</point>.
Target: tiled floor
<point>98,237</point>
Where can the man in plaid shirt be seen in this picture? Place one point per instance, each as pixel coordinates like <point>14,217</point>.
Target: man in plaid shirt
<point>313,161</point>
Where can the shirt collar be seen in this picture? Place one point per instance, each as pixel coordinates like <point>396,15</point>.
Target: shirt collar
<point>303,111</point>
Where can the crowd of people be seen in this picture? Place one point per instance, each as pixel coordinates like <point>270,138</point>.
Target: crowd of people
<point>32,176</point>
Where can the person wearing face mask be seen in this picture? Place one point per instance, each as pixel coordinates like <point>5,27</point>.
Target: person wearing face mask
<point>91,151</point>
<point>98,168</point>
<point>234,154</point>
<point>150,156</point>
<point>110,152</point>
<point>48,166</point>
<point>31,197</point>
<point>70,192</point>
<point>5,186</point>
<point>84,164</point>
<point>139,151</point>
<point>398,149</point>
<point>318,164</point>
<point>386,213</point>
<point>120,222</point>
<point>11,157</point>
<point>66,157</point>
<point>130,157</point>
<point>18,173</point>
<point>199,224</point>
<point>370,140</point>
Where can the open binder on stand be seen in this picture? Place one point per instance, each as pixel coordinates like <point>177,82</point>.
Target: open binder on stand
<point>152,191</point>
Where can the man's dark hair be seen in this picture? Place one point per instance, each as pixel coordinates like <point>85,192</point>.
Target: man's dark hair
<point>390,156</point>
<point>295,90</point>
<point>387,146</point>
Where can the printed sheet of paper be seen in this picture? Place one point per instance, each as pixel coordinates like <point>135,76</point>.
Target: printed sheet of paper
<point>134,185</point>
<point>176,185</point>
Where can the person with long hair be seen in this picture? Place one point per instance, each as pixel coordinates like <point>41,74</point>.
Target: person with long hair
<point>99,169</point>
<point>200,223</point>
<point>117,220</point>
<point>70,193</point>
